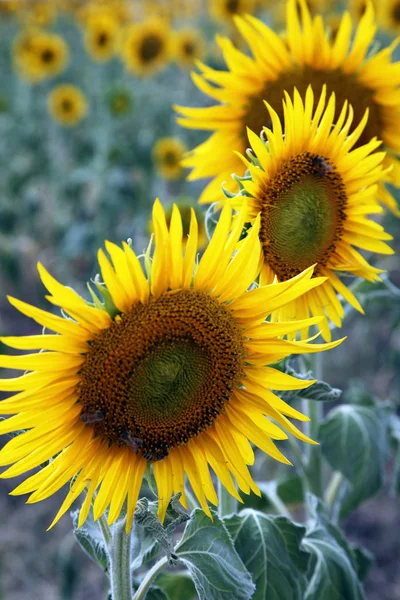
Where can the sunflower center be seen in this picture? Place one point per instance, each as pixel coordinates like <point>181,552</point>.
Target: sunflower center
<point>162,373</point>
<point>346,87</point>
<point>189,48</point>
<point>47,56</point>
<point>232,6</point>
<point>66,105</point>
<point>170,158</point>
<point>302,214</point>
<point>150,48</point>
<point>396,13</point>
<point>102,38</point>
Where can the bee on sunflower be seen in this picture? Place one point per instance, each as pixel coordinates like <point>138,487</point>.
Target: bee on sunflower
<point>171,377</point>
<point>39,55</point>
<point>67,105</point>
<point>305,57</point>
<point>146,47</point>
<point>315,188</point>
<point>168,153</point>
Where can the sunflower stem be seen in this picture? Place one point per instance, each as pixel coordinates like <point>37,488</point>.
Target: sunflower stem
<point>120,562</point>
<point>333,492</point>
<point>105,530</point>
<point>148,579</point>
<point>313,409</point>
<point>227,504</point>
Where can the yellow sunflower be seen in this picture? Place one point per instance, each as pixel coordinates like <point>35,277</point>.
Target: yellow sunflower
<point>315,188</point>
<point>39,13</point>
<point>67,105</point>
<point>357,8</point>
<point>307,57</point>
<point>146,47</point>
<point>388,12</point>
<point>39,55</point>
<point>101,34</point>
<point>225,10</point>
<point>189,46</point>
<point>168,153</point>
<point>173,376</point>
<point>186,209</point>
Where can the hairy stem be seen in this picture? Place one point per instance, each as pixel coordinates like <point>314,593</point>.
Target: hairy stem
<point>120,563</point>
<point>149,579</point>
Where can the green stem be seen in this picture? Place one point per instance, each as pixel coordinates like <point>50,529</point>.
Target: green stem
<point>313,409</point>
<point>333,491</point>
<point>120,563</point>
<point>149,579</point>
<point>279,506</point>
<point>105,530</point>
<point>191,500</point>
<point>227,504</point>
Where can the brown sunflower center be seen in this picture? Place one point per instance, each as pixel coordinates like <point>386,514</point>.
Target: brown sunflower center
<point>302,214</point>
<point>170,158</point>
<point>66,105</point>
<point>346,87</point>
<point>396,13</point>
<point>232,6</point>
<point>189,48</point>
<point>150,48</point>
<point>102,38</point>
<point>162,373</point>
<point>47,56</point>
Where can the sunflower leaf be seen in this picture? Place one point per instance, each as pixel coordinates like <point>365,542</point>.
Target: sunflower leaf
<point>90,540</point>
<point>177,585</point>
<point>395,438</point>
<point>208,552</point>
<point>334,566</point>
<point>320,391</point>
<point>354,442</point>
<point>270,548</point>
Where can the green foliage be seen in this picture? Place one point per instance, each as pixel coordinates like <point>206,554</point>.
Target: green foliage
<point>354,442</point>
<point>270,548</point>
<point>90,539</point>
<point>320,391</point>
<point>333,567</point>
<point>208,552</point>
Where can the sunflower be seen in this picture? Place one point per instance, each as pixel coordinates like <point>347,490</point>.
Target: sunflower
<point>308,57</point>
<point>146,47</point>
<point>315,192</point>
<point>171,377</point>
<point>189,46</point>
<point>101,33</point>
<point>120,102</point>
<point>39,13</point>
<point>185,206</point>
<point>67,105</point>
<point>388,12</point>
<point>225,10</point>
<point>39,55</point>
<point>357,8</point>
<point>168,153</point>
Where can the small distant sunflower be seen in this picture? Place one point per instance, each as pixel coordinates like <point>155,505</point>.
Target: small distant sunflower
<point>39,14</point>
<point>186,209</point>
<point>307,57</point>
<point>67,105</point>
<point>388,12</point>
<point>173,378</point>
<point>168,153</point>
<point>39,55</point>
<point>120,102</point>
<point>225,10</point>
<point>146,47</point>
<point>315,193</point>
<point>189,46</point>
<point>101,34</point>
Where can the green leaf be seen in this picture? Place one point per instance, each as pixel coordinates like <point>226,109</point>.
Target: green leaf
<point>270,549</point>
<point>395,435</point>
<point>90,539</point>
<point>208,552</point>
<point>354,442</point>
<point>177,585</point>
<point>333,567</point>
<point>320,391</point>
<point>156,593</point>
<point>364,561</point>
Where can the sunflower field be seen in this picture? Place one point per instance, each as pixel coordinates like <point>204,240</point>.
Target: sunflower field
<point>200,299</point>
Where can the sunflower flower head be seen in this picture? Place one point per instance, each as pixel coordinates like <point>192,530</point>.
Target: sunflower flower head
<point>225,10</point>
<point>39,55</point>
<point>315,189</point>
<point>101,35</point>
<point>189,46</point>
<point>306,56</point>
<point>173,378</point>
<point>146,47</point>
<point>168,153</point>
<point>67,105</point>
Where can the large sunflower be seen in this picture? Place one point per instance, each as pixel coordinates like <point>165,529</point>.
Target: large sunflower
<point>307,56</point>
<point>172,375</point>
<point>315,192</point>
